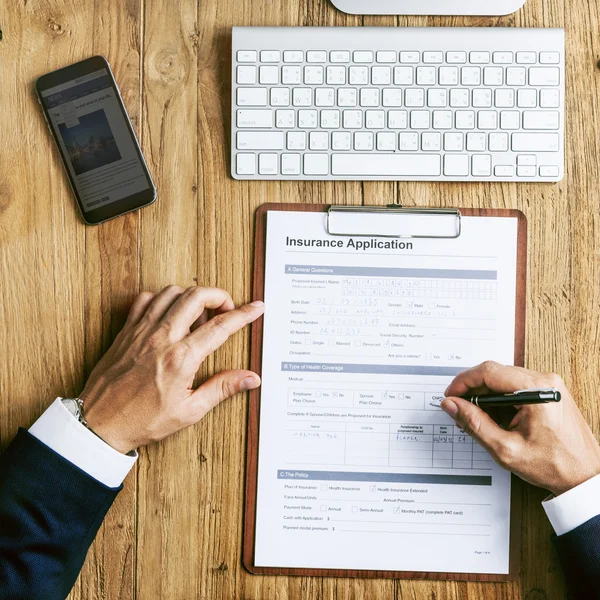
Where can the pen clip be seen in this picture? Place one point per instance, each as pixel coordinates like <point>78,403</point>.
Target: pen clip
<point>534,391</point>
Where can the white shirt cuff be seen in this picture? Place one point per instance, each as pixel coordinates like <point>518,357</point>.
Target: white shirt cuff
<point>63,433</point>
<point>575,507</point>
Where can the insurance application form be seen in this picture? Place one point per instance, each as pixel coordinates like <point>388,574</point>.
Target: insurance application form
<point>358,466</point>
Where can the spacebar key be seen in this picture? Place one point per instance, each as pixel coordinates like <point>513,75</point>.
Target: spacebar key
<point>386,165</point>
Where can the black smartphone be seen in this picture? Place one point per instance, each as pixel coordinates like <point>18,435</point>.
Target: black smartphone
<point>97,144</point>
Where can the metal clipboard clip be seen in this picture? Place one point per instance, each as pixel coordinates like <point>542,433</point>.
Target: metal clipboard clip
<point>394,221</point>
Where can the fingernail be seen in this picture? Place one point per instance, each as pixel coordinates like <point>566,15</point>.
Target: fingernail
<point>250,383</point>
<point>257,303</point>
<point>449,408</point>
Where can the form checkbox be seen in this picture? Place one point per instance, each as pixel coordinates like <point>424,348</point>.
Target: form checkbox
<point>357,343</point>
<point>355,509</point>
<point>332,342</point>
<point>373,488</point>
<point>396,509</point>
<point>323,507</point>
<point>324,487</point>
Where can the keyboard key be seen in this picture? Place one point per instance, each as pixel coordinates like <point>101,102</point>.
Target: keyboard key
<point>316,164</point>
<point>296,140</point>
<point>504,98</point>
<point>510,119</point>
<point>308,119</point>
<point>291,75</point>
<point>363,56</point>
<point>260,140</point>
<point>316,56</point>
<point>438,98</point>
<point>409,57</point>
<point>293,56</point>
<point>290,164</point>
<point>526,160</point>
<point>285,119</point>
<point>550,98</point>
<point>359,75</point>
<point>386,141</point>
<point>363,140</point>
<point>252,96</point>
<point>504,171</point>
<point>549,58</point>
<point>375,119</point>
<point>526,171</point>
<point>526,58</point>
<point>352,119</point>
<point>419,119</point>
<point>313,75</point>
<point>470,76</point>
<point>318,140</point>
<point>502,58</point>
<point>535,142</point>
<point>369,97</point>
<point>269,75</point>
<point>465,119</point>
<point>549,171</point>
<point>442,119</point>
<point>527,98</point>
<point>542,76</point>
<point>541,119</point>
<point>347,97</point>
<point>270,56</point>
<point>482,98</point>
<point>386,165</point>
<point>431,141</point>
<point>426,75</point>
<point>325,97</point>
<point>302,97</point>
<point>381,75</point>
<point>392,97</point>
<point>408,141</point>
<point>476,142</point>
<point>339,56</point>
<point>448,75</point>
<point>267,164</point>
<point>516,76</point>
<point>498,142</point>
<point>397,119</point>
<point>341,140</point>
<point>330,119</point>
<point>459,98</point>
<point>456,58</point>
<point>280,96</point>
<point>414,98</point>
<point>336,75</point>
<point>453,142</point>
<point>246,56</point>
<point>433,58</point>
<point>493,75</point>
<point>456,165</point>
<point>479,58</point>
<point>481,165</point>
<point>403,75</point>
<point>487,119</point>
<point>245,164</point>
<point>258,119</point>
<point>246,75</point>
<point>385,56</point>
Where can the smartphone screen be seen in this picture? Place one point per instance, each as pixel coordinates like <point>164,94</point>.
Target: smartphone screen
<point>98,146</point>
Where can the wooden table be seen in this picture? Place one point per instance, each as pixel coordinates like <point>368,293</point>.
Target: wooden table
<point>175,531</point>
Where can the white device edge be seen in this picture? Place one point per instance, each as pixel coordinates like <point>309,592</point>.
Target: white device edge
<point>429,7</point>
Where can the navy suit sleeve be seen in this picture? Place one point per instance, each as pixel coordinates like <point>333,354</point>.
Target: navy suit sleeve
<point>579,553</point>
<point>50,512</point>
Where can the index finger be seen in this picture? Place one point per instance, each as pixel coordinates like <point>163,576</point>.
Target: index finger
<point>491,376</point>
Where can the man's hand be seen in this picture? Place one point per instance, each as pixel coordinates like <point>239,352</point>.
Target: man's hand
<point>140,391</point>
<point>548,445</point>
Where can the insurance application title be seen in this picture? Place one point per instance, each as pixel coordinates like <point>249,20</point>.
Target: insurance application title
<point>363,244</point>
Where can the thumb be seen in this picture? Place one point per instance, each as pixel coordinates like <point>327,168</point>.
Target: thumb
<point>220,387</point>
<point>483,429</point>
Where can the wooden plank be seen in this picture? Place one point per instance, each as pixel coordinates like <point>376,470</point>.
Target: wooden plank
<point>168,474</point>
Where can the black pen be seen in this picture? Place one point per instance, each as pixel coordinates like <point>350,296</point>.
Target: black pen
<point>538,396</point>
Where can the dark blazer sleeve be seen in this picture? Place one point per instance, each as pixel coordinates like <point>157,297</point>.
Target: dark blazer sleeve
<point>579,553</point>
<point>50,512</point>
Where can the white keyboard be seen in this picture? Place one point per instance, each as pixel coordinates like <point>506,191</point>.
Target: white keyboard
<point>429,104</point>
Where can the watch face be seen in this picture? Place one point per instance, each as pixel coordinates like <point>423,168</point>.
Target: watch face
<point>71,406</point>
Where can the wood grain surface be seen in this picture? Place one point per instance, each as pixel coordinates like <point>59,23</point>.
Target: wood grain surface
<point>175,532</point>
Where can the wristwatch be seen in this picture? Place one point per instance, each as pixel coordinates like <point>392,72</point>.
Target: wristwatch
<point>75,407</point>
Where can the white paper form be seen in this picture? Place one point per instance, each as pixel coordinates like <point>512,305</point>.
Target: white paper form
<point>357,468</point>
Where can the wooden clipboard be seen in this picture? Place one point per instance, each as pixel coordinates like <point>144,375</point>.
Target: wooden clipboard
<point>254,412</point>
